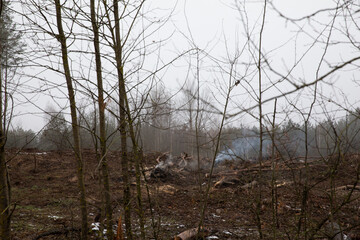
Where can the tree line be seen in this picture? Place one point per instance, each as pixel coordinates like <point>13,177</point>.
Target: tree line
<point>237,143</point>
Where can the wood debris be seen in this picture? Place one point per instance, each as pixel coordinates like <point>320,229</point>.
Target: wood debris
<point>228,173</point>
<point>159,173</point>
<point>344,188</point>
<point>226,182</point>
<point>162,157</point>
<point>249,185</point>
<point>283,183</point>
<point>168,189</point>
<point>192,234</point>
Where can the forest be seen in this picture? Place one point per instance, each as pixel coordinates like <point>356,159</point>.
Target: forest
<point>179,119</point>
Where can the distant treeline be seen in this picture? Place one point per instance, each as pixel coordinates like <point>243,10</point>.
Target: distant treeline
<point>288,140</point>
<point>293,140</point>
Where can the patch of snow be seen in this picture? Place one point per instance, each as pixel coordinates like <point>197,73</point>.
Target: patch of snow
<point>41,153</point>
<point>33,153</point>
<point>213,237</point>
<point>54,217</point>
<point>95,226</point>
<point>227,232</point>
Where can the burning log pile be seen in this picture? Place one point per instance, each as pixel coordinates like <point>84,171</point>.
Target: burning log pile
<point>167,165</point>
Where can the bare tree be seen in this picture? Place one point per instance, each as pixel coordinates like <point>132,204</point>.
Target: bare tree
<point>74,120</point>
<point>227,91</point>
<point>101,107</point>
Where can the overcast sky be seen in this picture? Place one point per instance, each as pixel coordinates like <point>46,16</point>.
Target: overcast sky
<point>217,28</point>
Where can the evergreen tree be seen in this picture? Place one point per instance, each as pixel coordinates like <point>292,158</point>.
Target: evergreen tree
<point>11,46</point>
<point>57,134</point>
<point>10,56</point>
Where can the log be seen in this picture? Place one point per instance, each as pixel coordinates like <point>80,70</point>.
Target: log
<point>226,182</point>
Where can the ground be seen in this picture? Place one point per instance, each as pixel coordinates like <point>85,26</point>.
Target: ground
<point>243,196</point>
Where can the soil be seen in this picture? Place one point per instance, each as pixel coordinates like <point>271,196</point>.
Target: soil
<point>241,197</point>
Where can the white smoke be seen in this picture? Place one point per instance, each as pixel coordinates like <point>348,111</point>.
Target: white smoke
<point>245,148</point>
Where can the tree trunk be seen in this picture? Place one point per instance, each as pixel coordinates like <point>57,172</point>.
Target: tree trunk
<point>103,148</point>
<point>74,121</point>
<point>4,194</point>
<point>4,188</point>
<point>123,124</point>
<point>138,159</point>
<point>261,131</point>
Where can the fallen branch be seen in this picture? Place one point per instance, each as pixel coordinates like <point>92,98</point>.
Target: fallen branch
<point>57,232</point>
<point>345,187</point>
<point>162,157</point>
<point>221,174</point>
<point>226,182</point>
